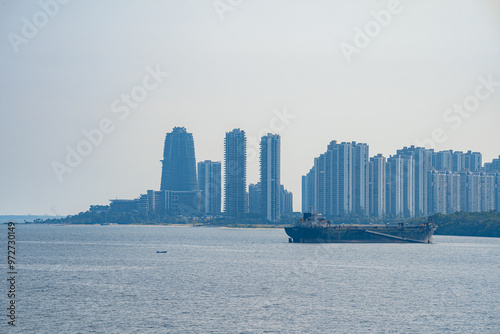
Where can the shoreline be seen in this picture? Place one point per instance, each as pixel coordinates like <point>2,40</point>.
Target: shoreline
<point>229,226</point>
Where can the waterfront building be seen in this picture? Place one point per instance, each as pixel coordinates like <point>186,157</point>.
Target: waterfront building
<point>399,186</point>
<point>235,157</point>
<point>444,192</point>
<point>422,160</point>
<point>487,191</point>
<point>270,146</point>
<point>408,187</point>
<point>458,161</point>
<point>452,192</point>
<point>185,203</point>
<point>497,191</point>
<point>360,179</point>
<point>377,186</point>
<point>493,166</point>
<point>254,198</point>
<point>99,208</point>
<point>179,163</point>
<point>308,191</point>
<point>342,177</point>
<point>333,180</point>
<point>286,198</point>
<point>320,184</point>
<point>473,161</point>
<point>437,192</point>
<point>123,205</point>
<point>443,160</point>
<point>209,183</point>
<point>470,191</point>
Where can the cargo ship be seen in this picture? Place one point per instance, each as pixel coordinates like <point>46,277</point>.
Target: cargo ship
<point>314,228</point>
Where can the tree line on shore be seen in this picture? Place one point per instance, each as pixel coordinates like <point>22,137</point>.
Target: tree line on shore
<point>480,224</point>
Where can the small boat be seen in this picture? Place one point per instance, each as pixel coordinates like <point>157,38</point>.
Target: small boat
<point>161,252</point>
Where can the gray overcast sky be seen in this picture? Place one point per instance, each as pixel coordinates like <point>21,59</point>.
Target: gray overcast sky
<point>264,57</point>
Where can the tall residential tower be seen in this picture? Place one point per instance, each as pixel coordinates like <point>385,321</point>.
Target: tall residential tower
<point>235,170</point>
<point>209,182</point>
<point>270,177</point>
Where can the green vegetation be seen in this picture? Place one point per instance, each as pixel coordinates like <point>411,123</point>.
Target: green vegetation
<point>474,224</point>
<point>90,218</point>
<point>105,217</point>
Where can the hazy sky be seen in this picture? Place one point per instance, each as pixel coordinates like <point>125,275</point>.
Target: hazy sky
<point>232,64</point>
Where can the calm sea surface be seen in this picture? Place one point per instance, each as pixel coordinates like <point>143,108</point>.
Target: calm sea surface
<point>109,279</point>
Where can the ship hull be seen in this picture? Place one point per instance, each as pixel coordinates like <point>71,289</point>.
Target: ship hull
<point>337,234</point>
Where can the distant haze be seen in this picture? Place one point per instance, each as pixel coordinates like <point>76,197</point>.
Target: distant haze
<point>70,69</point>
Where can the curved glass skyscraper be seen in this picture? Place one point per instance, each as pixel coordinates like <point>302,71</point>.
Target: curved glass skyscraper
<point>179,163</point>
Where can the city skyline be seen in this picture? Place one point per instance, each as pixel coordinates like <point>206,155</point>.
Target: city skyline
<point>358,156</point>
<point>414,182</point>
<point>86,105</point>
<point>343,181</point>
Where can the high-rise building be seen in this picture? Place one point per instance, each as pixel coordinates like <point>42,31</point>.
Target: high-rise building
<point>452,192</point>
<point>377,186</point>
<point>270,177</point>
<point>497,191</point>
<point>308,191</point>
<point>399,186</point>
<point>343,177</point>
<point>408,187</point>
<point>457,161</point>
<point>209,182</point>
<point>393,192</point>
<point>478,191</point>
<point>333,180</point>
<point>179,163</point>
<point>444,192</point>
<point>286,198</point>
<point>321,202</point>
<point>444,160</point>
<point>360,179</point>
<point>422,160</point>
<point>254,198</point>
<point>235,170</point>
<point>487,191</point>
<point>473,161</point>
<point>437,192</point>
<point>470,191</point>
<point>246,200</point>
<point>493,166</point>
